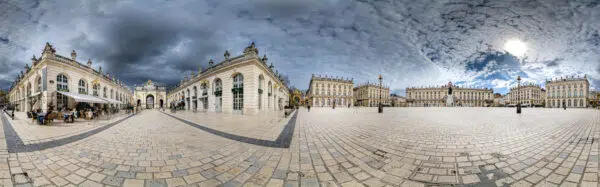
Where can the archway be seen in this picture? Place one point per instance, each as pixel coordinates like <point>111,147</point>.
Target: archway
<point>296,101</point>
<point>149,102</point>
<point>161,103</point>
<point>139,102</point>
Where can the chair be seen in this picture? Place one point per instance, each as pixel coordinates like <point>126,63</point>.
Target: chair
<point>50,117</point>
<point>33,116</point>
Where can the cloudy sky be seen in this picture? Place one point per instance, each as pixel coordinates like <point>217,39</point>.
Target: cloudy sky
<point>411,43</point>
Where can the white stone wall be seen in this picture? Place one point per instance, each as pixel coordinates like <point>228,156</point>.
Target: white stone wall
<point>251,72</point>
<point>74,74</point>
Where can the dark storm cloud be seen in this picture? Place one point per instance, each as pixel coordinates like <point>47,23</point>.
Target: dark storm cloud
<point>4,40</point>
<point>133,40</point>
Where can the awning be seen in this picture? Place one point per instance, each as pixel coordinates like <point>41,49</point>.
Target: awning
<point>112,101</point>
<point>83,98</point>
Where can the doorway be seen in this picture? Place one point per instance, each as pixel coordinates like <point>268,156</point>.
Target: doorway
<point>149,102</point>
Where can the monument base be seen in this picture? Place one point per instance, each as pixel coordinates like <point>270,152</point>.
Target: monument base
<point>449,101</point>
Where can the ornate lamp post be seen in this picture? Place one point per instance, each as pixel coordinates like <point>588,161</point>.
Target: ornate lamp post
<point>380,107</point>
<point>518,94</point>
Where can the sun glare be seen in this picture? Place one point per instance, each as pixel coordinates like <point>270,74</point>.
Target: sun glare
<point>516,47</point>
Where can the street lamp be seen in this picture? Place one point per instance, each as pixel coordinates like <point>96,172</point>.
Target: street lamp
<point>518,94</point>
<point>380,107</point>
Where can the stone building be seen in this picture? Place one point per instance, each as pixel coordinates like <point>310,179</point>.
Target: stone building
<point>244,84</point>
<point>594,98</point>
<point>449,95</point>
<point>397,101</point>
<point>368,95</point>
<point>327,91</point>
<point>530,94</point>
<point>567,91</point>
<point>150,95</point>
<point>64,82</point>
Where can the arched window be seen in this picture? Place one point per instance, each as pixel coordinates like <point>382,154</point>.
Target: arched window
<point>270,92</point>
<point>111,93</point>
<point>218,87</point>
<point>95,88</point>
<point>204,89</point>
<point>238,92</point>
<point>63,86</point>
<point>82,87</point>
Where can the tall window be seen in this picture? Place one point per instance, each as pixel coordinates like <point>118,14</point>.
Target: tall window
<point>218,86</point>
<point>260,91</point>
<point>238,92</point>
<point>269,89</point>
<point>38,86</point>
<point>28,89</point>
<point>82,87</point>
<point>61,85</point>
<point>104,92</point>
<point>96,88</point>
<point>204,89</point>
<point>111,93</point>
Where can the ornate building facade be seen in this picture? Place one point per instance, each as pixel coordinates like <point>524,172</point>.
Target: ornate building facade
<point>368,95</point>
<point>327,91</point>
<point>529,94</point>
<point>60,81</point>
<point>397,101</point>
<point>571,92</point>
<point>243,84</point>
<point>150,95</point>
<point>449,95</point>
<point>296,97</point>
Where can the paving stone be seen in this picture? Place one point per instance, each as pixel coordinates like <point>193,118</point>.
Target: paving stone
<point>114,181</point>
<point>156,183</point>
<point>133,183</point>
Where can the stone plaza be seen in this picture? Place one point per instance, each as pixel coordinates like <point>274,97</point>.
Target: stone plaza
<point>323,147</point>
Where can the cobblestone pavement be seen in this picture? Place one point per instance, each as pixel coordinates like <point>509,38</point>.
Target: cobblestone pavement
<point>31,133</point>
<point>341,147</point>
